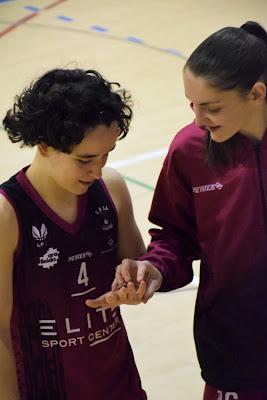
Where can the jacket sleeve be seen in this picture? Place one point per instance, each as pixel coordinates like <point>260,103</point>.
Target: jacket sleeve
<point>173,244</point>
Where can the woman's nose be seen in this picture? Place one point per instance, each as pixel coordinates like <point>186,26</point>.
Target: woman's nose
<point>96,170</point>
<point>200,117</point>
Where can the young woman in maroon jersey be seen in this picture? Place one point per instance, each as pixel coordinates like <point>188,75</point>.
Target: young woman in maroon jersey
<point>65,224</point>
<point>211,204</point>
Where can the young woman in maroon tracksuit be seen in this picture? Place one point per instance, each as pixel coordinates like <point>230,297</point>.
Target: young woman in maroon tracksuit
<point>211,204</point>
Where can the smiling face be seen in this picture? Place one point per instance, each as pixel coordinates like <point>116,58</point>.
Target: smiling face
<point>76,172</point>
<point>222,113</point>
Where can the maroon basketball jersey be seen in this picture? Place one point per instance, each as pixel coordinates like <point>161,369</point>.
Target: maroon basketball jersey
<point>63,349</point>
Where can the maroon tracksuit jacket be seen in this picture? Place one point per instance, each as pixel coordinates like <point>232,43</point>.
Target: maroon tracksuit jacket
<point>220,217</point>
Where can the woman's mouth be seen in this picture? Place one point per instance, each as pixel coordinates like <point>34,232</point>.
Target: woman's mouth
<point>213,128</point>
<point>86,183</point>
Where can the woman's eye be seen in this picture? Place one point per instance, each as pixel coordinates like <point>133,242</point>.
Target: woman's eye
<point>214,111</point>
<point>84,161</point>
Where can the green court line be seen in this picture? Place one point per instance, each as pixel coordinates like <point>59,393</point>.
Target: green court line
<point>139,183</point>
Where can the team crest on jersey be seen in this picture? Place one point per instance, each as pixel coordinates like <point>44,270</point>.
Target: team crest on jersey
<point>103,213</point>
<point>49,259</point>
<point>39,234</point>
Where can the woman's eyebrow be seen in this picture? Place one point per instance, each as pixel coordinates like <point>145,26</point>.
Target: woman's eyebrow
<point>209,102</point>
<point>87,155</point>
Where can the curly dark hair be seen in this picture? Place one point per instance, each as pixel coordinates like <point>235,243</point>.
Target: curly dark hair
<point>62,105</point>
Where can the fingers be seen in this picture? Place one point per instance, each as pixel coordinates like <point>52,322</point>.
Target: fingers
<point>122,295</point>
<point>125,295</point>
<point>107,300</point>
<point>143,276</point>
<point>141,290</point>
<point>143,270</point>
<point>128,295</point>
<point>153,285</point>
<point>131,271</point>
<point>99,302</point>
<point>131,295</point>
<point>112,300</point>
<point>144,281</point>
<point>114,285</point>
<point>126,272</point>
<point>131,292</point>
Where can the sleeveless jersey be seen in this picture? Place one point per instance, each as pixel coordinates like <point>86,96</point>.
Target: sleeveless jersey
<point>63,349</point>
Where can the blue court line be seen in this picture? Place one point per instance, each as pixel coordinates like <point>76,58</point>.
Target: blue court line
<point>132,39</point>
<point>65,18</point>
<point>174,52</point>
<point>98,28</point>
<point>33,9</point>
<point>135,40</point>
<point>102,29</point>
<point>103,32</point>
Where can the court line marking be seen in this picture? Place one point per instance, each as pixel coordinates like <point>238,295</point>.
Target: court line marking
<point>17,23</point>
<point>140,157</point>
<point>168,51</point>
<point>28,17</point>
<point>97,29</point>
<point>139,183</point>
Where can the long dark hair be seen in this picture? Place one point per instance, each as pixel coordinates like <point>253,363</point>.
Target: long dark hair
<point>231,58</point>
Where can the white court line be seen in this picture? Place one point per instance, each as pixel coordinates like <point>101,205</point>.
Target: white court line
<point>139,158</point>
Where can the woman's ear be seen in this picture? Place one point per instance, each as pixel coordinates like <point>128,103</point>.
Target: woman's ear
<point>43,149</point>
<point>258,92</point>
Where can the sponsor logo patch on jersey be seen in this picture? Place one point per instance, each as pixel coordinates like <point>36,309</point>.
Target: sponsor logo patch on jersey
<point>207,188</point>
<point>49,259</point>
<point>39,234</point>
<point>80,256</point>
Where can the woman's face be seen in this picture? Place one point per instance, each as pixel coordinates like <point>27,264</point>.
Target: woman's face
<point>222,113</point>
<point>75,172</point>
